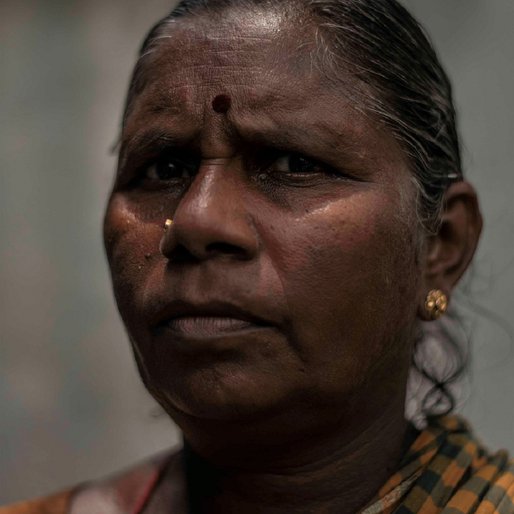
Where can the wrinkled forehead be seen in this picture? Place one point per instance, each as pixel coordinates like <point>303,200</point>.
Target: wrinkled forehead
<point>265,50</point>
<point>244,35</point>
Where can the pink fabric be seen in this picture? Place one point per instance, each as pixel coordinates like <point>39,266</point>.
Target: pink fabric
<point>149,491</point>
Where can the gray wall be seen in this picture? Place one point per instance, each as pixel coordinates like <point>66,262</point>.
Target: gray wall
<point>71,405</point>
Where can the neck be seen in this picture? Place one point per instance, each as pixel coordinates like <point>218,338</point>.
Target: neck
<point>339,474</point>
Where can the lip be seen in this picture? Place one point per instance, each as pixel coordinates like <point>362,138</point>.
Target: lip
<point>206,320</point>
<point>207,327</point>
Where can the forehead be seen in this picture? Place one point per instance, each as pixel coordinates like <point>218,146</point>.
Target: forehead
<point>264,54</point>
<point>274,77</point>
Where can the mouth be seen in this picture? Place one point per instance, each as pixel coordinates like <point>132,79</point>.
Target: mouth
<point>209,320</point>
<point>206,327</point>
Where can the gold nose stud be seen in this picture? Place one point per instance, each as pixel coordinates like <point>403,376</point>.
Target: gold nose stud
<point>168,224</point>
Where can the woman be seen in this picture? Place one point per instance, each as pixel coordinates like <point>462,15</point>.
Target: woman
<point>289,207</point>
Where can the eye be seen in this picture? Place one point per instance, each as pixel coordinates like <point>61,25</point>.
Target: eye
<point>296,164</point>
<point>279,168</point>
<point>170,168</point>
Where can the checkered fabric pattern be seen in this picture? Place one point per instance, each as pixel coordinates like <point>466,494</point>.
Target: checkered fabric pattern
<point>447,471</point>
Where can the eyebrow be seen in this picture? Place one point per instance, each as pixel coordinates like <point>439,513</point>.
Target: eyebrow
<point>318,140</point>
<point>289,139</point>
<point>147,140</point>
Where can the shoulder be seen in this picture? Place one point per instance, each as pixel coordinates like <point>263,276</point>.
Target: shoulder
<point>123,493</point>
<point>57,504</point>
<point>499,470</point>
<point>486,479</point>
<point>128,492</point>
<point>478,480</point>
<point>490,489</point>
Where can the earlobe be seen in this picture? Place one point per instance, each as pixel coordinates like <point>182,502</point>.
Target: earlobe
<point>450,251</point>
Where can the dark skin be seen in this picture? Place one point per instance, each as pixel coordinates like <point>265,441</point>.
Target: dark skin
<point>274,320</point>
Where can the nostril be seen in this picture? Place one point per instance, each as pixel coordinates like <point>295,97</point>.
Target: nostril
<point>180,254</point>
<point>226,249</point>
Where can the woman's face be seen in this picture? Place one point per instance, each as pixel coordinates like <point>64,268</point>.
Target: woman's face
<point>290,278</point>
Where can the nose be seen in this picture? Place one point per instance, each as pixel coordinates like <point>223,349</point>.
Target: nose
<point>211,219</point>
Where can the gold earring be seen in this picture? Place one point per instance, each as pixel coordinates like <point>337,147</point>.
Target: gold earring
<point>436,304</point>
<point>168,224</point>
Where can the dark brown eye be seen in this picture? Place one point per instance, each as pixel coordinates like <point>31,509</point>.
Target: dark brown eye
<point>169,168</point>
<point>295,163</point>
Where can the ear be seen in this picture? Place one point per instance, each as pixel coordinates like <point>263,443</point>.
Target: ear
<point>449,252</point>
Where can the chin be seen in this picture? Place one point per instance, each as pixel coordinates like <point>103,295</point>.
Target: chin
<point>219,395</point>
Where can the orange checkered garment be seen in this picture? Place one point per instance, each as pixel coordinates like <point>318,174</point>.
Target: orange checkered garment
<point>447,471</point>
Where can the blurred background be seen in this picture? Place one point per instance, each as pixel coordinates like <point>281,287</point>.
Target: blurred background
<point>71,405</point>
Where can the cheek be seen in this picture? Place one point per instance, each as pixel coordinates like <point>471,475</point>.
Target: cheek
<point>350,282</point>
<point>131,247</point>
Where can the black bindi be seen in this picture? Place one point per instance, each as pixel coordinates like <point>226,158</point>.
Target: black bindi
<point>221,104</point>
